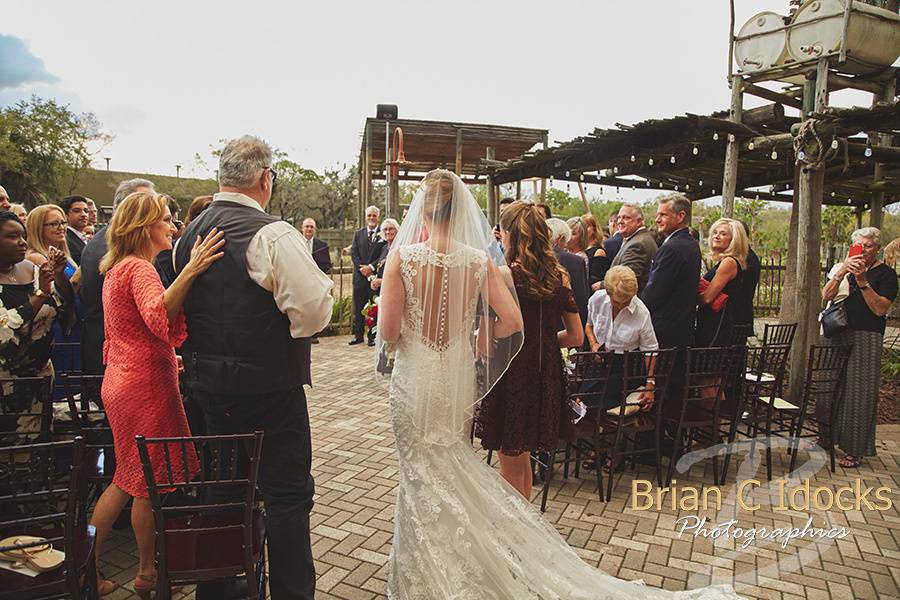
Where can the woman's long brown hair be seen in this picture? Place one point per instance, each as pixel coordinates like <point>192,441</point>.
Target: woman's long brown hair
<point>530,247</point>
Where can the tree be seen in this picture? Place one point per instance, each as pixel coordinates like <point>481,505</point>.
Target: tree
<point>301,192</point>
<point>749,210</point>
<point>43,147</point>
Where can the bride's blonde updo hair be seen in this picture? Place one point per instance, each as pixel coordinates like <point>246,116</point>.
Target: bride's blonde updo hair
<point>438,205</point>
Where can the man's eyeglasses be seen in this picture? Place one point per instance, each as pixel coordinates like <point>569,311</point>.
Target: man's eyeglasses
<point>56,224</point>
<point>274,174</point>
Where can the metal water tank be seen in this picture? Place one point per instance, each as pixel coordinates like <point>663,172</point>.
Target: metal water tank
<point>873,34</point>
<point>761,43</point>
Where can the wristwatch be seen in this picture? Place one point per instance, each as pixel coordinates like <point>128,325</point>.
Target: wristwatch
<point>863,287</point>
<point>40,293</point>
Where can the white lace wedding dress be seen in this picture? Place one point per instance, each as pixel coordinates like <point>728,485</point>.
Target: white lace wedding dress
<point>461,532</point>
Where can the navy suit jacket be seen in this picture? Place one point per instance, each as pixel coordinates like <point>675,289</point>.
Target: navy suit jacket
<point>671,291</point>
<point>362,252</point>
<point>321,256</point>
<point>578,275</point>
<point>612,245</point>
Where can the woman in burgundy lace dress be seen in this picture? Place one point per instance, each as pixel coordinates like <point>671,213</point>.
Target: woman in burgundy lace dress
<point>522,412</point>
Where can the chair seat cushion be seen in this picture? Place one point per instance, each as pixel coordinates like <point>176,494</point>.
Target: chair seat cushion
<point>779,403</point>
<point>210,550</point>
<point>763,377</point>
<point>52,582</point>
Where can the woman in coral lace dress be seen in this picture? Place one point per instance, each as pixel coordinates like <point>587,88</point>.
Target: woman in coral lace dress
<point>143,323</point>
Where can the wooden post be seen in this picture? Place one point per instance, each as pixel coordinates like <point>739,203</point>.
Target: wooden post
<point>459,156</point>
<point>584,200</point>
<point>809,230</point>
<point>491,190</point>
<point>876,214</point>
<point>544,181</point>
<point>519,190</point>
<point>729,178</point>
<point>367,177</point>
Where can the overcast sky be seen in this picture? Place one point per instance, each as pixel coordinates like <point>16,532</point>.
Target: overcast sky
<point>169,79</point>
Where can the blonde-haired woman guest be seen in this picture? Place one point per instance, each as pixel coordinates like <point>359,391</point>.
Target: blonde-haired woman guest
<point>728,245</point>
<point>578,242</point>
<point>20,211</point>
<point>46,228</point>
<point>522,412</point>
<point>144,322</point>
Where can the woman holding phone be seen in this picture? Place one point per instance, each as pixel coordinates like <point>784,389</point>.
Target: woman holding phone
<point>870,287</point>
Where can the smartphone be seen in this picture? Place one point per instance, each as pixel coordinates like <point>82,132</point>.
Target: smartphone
<point>855,250</point>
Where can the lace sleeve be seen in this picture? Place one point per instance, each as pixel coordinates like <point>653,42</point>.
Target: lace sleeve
<point>566,299</point>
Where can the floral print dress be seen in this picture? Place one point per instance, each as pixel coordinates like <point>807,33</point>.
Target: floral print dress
<point>26,340</point>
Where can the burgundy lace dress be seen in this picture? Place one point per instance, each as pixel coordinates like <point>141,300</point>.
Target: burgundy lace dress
<point>522,412</point>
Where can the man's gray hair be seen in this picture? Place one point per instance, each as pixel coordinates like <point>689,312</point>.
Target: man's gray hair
<point>371,208</point>
<point>559,229</point>
<point>127,187</point>
<point>391,222</point>
<point>308,219</point>
<point>869,233</point>
<point>680,203</point>
<point>4,193</point>
<point>242,161</point>
<point>635,207</point>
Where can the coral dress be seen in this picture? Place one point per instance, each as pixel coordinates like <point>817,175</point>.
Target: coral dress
<point>140,389</point>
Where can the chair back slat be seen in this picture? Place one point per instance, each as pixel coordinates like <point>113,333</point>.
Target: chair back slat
<point>779,334</point>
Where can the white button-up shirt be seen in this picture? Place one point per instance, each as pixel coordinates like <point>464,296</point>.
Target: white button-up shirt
<point>280,262</point>
<point>632,329</point>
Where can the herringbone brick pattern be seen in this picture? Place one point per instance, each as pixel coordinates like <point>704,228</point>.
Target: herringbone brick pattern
<point>352,522</point>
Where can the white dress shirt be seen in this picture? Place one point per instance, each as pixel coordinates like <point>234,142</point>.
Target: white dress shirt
<point>279,262</point>
<point>632,329</point>
<point>76,232</point>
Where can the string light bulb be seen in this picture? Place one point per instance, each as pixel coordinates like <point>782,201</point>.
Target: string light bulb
<point>676,188</point>
<point>567,173</point>
<point>712,191</point>
<point>672,159</point>
<point>774,155</point>
<point>696,150</point>
<point>731,137</point>
<point>633,158</point>
<point>700,183</point>
<point>716,136</point>
<point>615,170</point>
<point>650,162</point>
<point>801,155</point>
<point>687,187</point>
<point>751,146</point>
<point>868,152</point>
<point>834,144</point>
<point>581,177</point>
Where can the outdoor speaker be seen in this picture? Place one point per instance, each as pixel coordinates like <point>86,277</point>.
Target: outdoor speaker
<point>387,112</point>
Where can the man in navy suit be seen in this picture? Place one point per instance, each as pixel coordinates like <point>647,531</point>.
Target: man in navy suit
<point>671,291</point>
<point>317,247</point>
<point>364,252</point>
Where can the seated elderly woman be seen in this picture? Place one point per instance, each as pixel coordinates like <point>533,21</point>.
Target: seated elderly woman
<point>870,287</point>
<point>619,322</point>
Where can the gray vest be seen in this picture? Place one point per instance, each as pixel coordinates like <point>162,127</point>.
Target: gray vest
<point>238,341</point>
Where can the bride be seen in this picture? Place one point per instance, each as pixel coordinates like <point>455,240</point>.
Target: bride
<point>450,317</point>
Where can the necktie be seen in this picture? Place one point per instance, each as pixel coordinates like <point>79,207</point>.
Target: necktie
<point>371,235</point>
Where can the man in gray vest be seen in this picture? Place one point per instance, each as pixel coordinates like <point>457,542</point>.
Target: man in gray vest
<point>246,358</point>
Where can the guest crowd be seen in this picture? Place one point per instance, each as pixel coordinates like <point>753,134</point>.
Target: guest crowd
<point>242,294</point>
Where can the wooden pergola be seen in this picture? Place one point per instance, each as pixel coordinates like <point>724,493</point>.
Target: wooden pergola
<point>687,154</point>
<point>431,145</point>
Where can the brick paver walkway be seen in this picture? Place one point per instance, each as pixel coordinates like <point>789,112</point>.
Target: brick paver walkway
<point>355,470</point>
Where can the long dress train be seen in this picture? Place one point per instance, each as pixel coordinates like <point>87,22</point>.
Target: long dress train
<point>461,532</point>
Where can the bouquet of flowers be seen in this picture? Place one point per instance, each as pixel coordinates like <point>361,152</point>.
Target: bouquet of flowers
<point>370,312</point>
